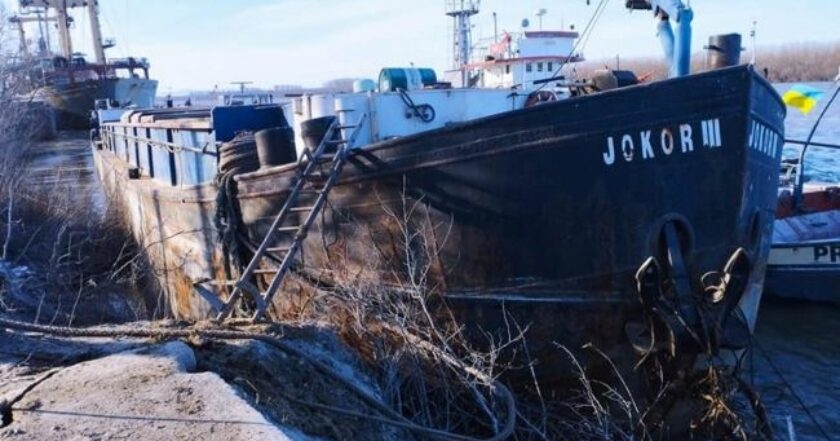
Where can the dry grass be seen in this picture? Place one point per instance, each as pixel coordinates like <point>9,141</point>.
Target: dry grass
<point>434,374</point>
<point>67,257</point>
<point>66,254</point>
<point>789,63</point>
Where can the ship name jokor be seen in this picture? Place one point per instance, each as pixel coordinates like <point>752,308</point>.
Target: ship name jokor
<point>653,143</point>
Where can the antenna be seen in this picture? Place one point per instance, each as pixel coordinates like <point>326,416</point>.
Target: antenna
<point>241,84</point>
<point>539,13</point>
<point>753,37</point>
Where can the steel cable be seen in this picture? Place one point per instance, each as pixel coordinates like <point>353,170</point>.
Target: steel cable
<point>392,417</point>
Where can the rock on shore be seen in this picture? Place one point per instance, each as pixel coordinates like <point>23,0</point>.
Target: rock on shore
<point>151,393</point>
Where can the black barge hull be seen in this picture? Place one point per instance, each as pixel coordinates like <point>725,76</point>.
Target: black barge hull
<point>544,213</point>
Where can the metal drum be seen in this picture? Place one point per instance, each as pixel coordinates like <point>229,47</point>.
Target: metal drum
<point>724,51</point>
<point>312,131</point>
<point>275,146</point>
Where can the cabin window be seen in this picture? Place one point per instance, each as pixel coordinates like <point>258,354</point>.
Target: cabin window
<point>539,66</point>
<point>528,67</point>
<point>507,68</point>
<point>550,66</point>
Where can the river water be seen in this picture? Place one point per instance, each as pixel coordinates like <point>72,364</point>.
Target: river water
<point>800,338</point>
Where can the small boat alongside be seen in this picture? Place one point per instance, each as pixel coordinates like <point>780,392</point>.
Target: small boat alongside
<point>804,262</point>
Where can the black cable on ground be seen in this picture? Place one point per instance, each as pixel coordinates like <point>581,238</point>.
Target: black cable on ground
<point>391,417</point>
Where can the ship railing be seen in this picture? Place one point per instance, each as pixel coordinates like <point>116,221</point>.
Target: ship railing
<point>173,156</point>
<point>130,62</point>
<point>179,146</point>
<point>170,146</point>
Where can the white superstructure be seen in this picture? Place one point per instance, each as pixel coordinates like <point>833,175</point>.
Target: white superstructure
<point>526,60</point>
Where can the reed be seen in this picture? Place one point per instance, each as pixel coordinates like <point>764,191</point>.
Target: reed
<point>795,62</point>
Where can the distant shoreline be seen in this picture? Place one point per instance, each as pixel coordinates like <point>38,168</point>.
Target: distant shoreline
<point>796,62</point>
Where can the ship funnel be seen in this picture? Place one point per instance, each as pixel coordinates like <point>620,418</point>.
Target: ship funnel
<point>723,51</point>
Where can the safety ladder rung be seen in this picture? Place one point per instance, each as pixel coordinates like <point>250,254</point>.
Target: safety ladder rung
<point>264,271</point>
<point>336,141</point>
<point>350,126</point>
<point>220,282</point>
<point>278,249</point>
<point>288,229</point>
<point>301,209</point>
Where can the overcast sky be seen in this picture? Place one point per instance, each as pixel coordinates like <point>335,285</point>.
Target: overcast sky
<point>196,44</point>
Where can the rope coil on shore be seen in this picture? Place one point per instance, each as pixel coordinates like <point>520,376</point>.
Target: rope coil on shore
<point>391,417</point>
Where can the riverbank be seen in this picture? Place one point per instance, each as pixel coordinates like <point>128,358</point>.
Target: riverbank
<point>800,62</point>
<point>118,386</point>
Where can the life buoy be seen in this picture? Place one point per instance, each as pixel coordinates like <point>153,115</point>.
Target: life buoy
<point>540,97</point>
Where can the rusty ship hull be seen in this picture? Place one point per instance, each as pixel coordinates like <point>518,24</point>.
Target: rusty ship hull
<point>73,103</point>
<point>542,215</point>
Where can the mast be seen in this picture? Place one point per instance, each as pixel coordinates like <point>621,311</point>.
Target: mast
<point>96,31</point>
<point>461,11</point>
<point>65,44</point>
<point>44,31</point>
<point>24,50</point>
<point>41,21</point>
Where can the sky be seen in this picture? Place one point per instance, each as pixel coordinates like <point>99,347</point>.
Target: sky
<point>197,44</point>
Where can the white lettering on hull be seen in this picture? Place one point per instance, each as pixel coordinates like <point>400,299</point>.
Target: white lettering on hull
<point>648,149</point>
<point>765,140</point>
<point>639,145</point>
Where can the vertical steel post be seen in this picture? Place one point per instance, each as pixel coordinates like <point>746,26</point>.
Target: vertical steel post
<point>64,30</point>
<point>96,31</point>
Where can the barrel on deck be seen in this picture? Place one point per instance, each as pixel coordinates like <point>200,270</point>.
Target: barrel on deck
<point>313,131</point>
<point>275,146</point>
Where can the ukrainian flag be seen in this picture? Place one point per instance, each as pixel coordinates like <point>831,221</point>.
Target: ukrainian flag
<point>802,97</point>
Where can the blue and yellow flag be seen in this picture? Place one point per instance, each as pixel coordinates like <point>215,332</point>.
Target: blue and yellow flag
<point>802,97</point>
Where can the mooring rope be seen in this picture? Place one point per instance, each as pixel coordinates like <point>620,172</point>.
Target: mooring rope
<point>392,417</point>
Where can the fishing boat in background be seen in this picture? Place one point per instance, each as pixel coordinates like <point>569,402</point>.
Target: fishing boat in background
<point>67,80</point>
<point>804,262</point>
<point>587,219</point>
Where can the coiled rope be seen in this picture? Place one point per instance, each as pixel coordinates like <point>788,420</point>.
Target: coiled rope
<point>235,157</point>
<point>389,416</point>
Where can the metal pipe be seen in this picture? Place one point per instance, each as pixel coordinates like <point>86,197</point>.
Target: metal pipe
<point>666,37</point>
<point>677,45</point>
<point>682,47</point>
<point>495,28</point>
<point>815,144</point>
<point>169,146</point>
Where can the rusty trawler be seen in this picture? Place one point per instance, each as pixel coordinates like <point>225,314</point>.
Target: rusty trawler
<point>67,80</point>
<point>635,217</point>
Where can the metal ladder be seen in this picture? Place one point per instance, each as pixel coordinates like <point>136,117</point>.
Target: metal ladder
<point>310,162</point>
